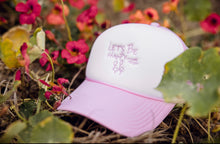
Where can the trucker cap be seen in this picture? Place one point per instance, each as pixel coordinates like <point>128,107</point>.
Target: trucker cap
<point>125,66</point>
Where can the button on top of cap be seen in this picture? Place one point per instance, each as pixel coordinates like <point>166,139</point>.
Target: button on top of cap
<point>155,24</point>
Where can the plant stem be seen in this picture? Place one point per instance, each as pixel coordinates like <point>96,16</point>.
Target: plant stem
<point>38,105</point>
<point>209,119</point>
<point>17,113</point>
<point>51,62</point>
<point>66,23</point>
<point>48,104</point>
<point>179,123</point>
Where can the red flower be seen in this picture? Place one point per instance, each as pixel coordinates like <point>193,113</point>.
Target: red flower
<point>129,8</point>
<point>44,59</point>
<point>56,15</point>
<point>211,23</point>
<point>55,89</point>
<point>29,11</point>
<point>77,3</point>
<point>75,52</point>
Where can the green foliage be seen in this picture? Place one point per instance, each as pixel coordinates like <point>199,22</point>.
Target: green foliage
<point>52,130</point>
<point>12,131</point>
<point>197,10</point>
<point>43,127</point>
<point>194,78</point>
<point>27,109</point>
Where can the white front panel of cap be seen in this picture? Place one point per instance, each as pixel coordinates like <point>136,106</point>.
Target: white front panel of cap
<point>132,57</point>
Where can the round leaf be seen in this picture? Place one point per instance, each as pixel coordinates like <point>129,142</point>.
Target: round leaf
<point>52,130</point>
<point>194,78</point>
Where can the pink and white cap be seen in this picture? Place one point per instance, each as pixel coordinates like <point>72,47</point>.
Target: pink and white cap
<point>125,66</point>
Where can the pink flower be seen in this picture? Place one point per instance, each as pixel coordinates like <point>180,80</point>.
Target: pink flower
<point>75,52</point>
<point>50,36</point>
<point>48,94</point>
<point>56,15</point>
<point>44,59</point>
<point>92,2</point>
<point>29,11</point>
<point>26,60</point>
<point>77,3</point>
<point>211,23</point>
<point>129,8</point>
<point>87,15</point>
<point>18,75</point>
<point>3,20</point>
<point>86,18</point>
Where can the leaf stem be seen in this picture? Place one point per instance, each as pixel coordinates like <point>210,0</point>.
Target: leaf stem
<point>179,123</point>
<point>66,23</point>
<point>51,62</point>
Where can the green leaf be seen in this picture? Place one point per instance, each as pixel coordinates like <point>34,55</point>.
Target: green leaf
<point>27,108</point>
<point>118,5</point>
<point>194,78</point>
<point>34,120</point>
<point>25,135</point>
<point>12,131</point>
<point>52,130</point>
<point>197,10</point>
<point>41,94</point>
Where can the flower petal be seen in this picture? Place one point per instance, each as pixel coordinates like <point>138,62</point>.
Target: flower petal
<point>25,56</point>
<point>22,7</point>
<point>48,94</point>
<point>18,75</point>
<point>27,18</point>
<point>62,81</point>
<point>43,82</point>
<point>72,60</point>
<point>65,54</point>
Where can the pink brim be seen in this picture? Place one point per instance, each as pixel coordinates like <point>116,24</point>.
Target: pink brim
<point>123,112</point>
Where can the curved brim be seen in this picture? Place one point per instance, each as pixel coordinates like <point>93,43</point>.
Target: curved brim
<point>125,113</point>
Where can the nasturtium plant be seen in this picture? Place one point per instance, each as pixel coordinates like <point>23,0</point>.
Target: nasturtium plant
<point>43,127</point>
<point>197,11</point>
<point>193,78</point>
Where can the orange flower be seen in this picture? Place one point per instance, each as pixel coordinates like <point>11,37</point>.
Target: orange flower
<point>166,23</point>
<point>170,6</point>
<point>138,17</point>
<point>56,15</point>
<point>151,14</point>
